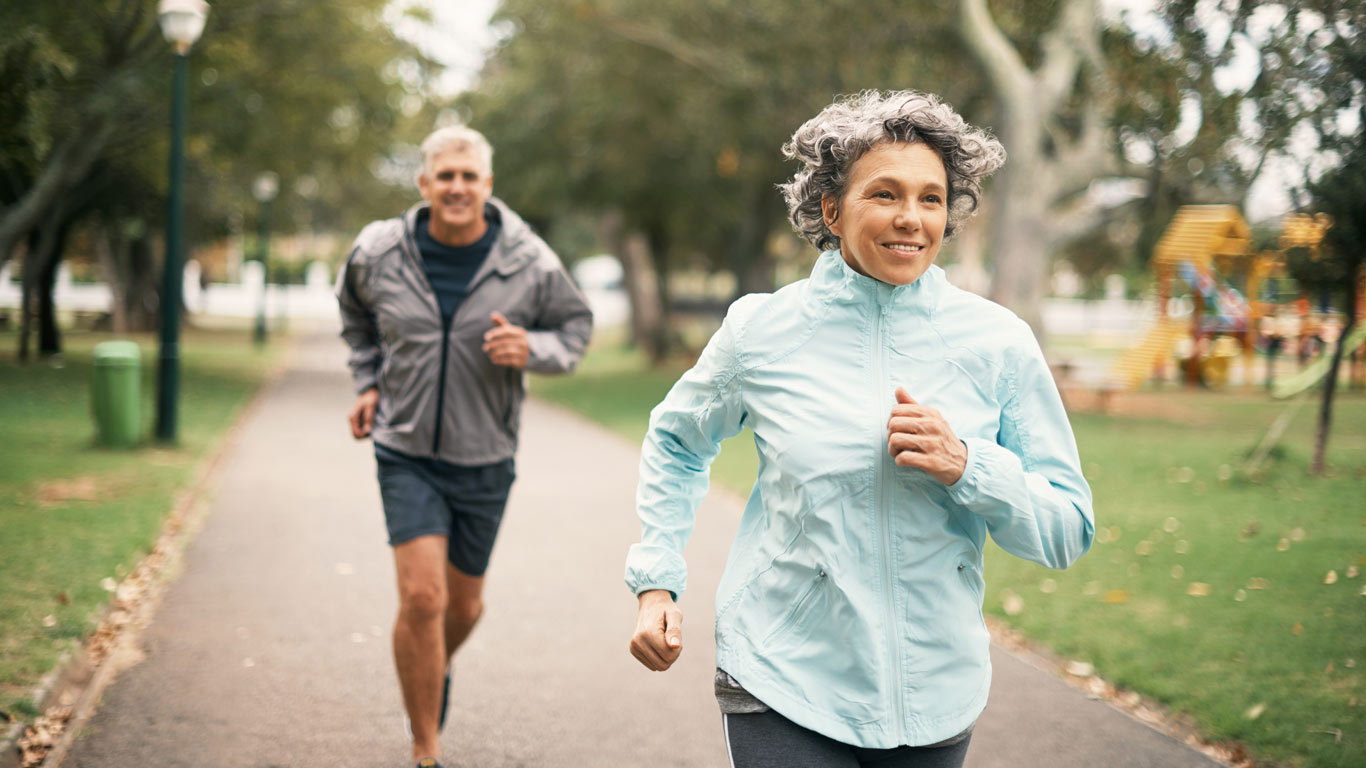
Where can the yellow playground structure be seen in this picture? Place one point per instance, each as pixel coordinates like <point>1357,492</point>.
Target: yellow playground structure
<point>1205,247</point>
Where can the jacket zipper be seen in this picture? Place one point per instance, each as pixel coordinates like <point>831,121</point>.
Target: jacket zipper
<point>441,379</point>
<point>885,518</point>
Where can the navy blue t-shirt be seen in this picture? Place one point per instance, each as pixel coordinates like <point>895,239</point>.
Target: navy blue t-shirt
<point>450,268</point>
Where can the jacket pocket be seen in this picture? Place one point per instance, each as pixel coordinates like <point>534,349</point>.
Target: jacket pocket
<point>971,576</point>
<point>800,608</point>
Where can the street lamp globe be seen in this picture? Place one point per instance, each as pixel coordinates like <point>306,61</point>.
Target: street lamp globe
<point>265,187</point>
<point>182,21</point>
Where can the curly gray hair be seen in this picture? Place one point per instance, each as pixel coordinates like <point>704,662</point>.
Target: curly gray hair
<point>830,143</point>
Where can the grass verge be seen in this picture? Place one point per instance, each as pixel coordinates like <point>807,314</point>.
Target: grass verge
<point>73,514</point>
<point>1240,604</point>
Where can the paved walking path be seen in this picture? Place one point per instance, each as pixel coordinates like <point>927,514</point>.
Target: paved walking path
<point>272,648</point>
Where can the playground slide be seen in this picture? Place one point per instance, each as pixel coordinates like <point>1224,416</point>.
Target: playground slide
<point>1315,371</point>
<point>1135,366</point>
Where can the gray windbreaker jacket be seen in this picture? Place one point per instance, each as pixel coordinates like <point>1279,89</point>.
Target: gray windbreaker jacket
<point>439,395</point>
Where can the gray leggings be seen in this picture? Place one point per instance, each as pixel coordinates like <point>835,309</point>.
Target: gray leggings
<point>769,740</point>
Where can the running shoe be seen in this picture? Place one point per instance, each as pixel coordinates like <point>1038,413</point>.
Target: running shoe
<point>428,762</point>
<point>445,700</point>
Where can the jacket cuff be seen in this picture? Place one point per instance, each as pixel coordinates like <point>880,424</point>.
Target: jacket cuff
<point>968,488</point>
<point>364,380</point>
<point>651,566</point>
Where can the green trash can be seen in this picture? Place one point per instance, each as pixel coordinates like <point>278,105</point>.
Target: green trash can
<point>116,393</point>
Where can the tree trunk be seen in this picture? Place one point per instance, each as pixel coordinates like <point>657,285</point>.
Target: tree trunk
<point>1331,383</point>
<point>1018,238</point>
<point>128,266</point>
<point>49,336</point>
<point>662,336</point>
<point>63,171</point>
<point>642,290</point>
<point>752,262</point>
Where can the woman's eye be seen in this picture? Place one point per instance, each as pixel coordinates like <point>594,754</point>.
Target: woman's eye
<point>935,199</point>
<point>883,195</point>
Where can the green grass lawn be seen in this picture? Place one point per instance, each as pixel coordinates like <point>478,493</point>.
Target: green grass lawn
<point>1241,604</point>
<point>71,513</point>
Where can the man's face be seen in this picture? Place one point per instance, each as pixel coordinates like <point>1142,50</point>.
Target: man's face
<point>457,185</point>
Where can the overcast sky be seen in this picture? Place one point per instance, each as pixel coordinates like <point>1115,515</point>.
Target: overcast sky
<point>461,37</point>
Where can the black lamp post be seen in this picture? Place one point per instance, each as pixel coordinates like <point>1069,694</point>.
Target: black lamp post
<point>265,187</point>
<point>182,21</point>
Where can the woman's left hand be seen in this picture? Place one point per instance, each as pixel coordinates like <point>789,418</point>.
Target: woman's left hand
<point>918,436</point>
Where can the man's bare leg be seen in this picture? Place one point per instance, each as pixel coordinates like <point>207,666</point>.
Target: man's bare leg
<point>419,636</point>
<point>464,606</point>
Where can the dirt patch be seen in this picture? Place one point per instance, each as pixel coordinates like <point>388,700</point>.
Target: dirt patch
<point>54,492</point>
<point>1155,405</point>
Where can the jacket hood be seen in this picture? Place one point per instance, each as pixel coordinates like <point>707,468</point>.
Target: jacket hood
<point>517,244</point>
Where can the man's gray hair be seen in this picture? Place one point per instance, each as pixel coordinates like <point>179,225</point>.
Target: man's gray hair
<point>457,137</point>
<point>830,143</point>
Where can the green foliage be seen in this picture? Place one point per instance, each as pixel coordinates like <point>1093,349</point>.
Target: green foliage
<point>72,514</point>
<point>673,113</point>
<point>325,95</point>
<point>1341,193</point>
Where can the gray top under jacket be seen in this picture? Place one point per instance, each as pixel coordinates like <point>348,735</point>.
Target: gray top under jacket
<point>439,395</point>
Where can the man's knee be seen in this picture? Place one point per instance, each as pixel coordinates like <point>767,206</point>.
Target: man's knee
<point>465,609</point>
<point>422,601</point>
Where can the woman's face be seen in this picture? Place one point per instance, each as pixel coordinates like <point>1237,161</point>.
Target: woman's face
<point>891,219</point>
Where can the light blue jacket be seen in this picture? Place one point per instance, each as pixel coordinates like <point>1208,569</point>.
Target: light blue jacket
<point>852,599</point>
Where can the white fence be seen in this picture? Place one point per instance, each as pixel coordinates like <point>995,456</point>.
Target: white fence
<point>1114,319</point>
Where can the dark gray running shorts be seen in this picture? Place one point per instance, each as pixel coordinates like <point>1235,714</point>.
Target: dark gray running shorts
<point>425,496</point>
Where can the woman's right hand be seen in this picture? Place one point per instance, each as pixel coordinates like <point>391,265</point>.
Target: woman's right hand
<point>658,640</point>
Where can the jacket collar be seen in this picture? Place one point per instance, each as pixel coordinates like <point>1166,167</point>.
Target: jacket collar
<point>514,248</point>
<point>835,281</point>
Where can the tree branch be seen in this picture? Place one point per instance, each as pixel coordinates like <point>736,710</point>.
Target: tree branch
<point>707,62</point>
<point>1010,77</point>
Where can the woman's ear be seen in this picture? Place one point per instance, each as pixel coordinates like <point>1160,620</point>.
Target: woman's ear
<point>830,212</point>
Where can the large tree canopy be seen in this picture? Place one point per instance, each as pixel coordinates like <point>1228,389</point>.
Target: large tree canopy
<point>322,94</point>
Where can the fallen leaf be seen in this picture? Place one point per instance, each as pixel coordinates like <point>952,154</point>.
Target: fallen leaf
<point>1334,732</point>
<point>1249,530</point>
<point>1255,711</point>
<point>49,620</point>
<point>1178,572</point>
<point>63,598</point>
<point>1198,589</point>
<point>1048,586</point>
<point>1283,545</point>
<point>1331,577</point>
<point>1182,547</point>
<point>1352,571</point>
<point>1079,669</point>
<point>1328,669</point>
<point>108,584</point>
<point>1350,663</point>
<point>1171,524</point>
<point>1144,548</point>
<point>1225,472</point>
<point>1297,534</point>
<point>1298,629</point>
<point>1239,596</point>
<point>1258,583</point>
<point>1117,596</point>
